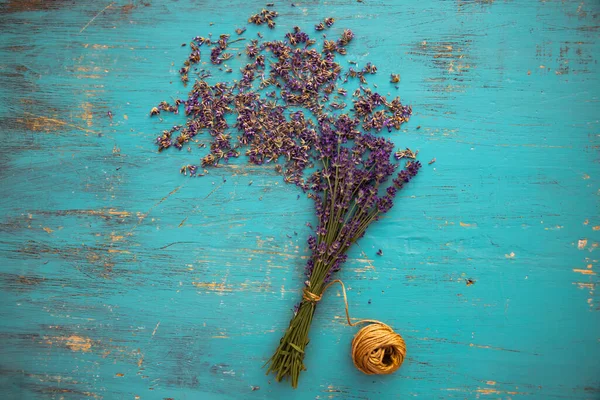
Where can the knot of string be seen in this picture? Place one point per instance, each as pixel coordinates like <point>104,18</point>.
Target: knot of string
<point>309,296</point>
<point>376,348</point>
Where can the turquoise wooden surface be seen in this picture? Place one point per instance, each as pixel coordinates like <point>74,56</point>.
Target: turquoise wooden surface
<point>122,279</point>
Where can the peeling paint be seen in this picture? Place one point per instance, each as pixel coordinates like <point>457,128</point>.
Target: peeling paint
<point>77,343</point>
<point>213,286</point>
<point>37,123</point>
<point>584,271</point>
<point>487,391</point>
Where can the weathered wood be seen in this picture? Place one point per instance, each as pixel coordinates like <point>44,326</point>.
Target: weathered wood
<point>123,279</point>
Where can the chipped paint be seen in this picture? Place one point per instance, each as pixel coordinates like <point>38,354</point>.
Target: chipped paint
<point>118,251</point>
<point>554,228</point>
<point>77,343</point>
<point>584,285</point>
<point>487,391</point>
<point>584,271</point>
<point>86,113</point>
<point>116,238</point>
<point>38,123</point>
<point>213,286</point>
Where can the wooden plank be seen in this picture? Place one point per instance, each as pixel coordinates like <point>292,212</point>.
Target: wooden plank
<point>123,279</point>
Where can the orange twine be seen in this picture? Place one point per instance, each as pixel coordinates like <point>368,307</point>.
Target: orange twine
<point>376,348</point>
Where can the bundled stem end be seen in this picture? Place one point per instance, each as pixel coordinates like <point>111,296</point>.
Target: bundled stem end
<point>288,360</point>
<point>376,348</point>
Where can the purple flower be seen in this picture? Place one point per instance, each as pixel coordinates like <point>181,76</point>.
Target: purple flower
<point>384,204</point>
<point>309,268</point>
<point>312,242</point>
<point>334,248</point>
<point>285,111</point>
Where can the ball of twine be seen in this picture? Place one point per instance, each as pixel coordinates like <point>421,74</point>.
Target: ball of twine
<point>376,348</point>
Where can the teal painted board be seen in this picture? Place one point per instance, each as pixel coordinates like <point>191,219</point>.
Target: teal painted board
<point>122,279</point>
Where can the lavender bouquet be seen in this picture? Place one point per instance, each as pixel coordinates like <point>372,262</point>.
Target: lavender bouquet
<point>346,192</point>
<point>289,110</point>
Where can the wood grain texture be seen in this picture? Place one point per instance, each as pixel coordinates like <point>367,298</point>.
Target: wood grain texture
<point>122,279</point>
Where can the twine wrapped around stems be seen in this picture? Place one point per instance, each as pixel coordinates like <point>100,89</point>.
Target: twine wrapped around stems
<point>376,348</point>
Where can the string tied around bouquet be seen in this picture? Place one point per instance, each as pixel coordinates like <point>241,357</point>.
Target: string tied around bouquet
<point>376,348</point>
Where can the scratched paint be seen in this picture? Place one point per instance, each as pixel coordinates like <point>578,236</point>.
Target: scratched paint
<point>123,279</point>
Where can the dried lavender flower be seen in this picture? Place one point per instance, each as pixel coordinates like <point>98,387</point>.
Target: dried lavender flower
<point>285,110</point>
